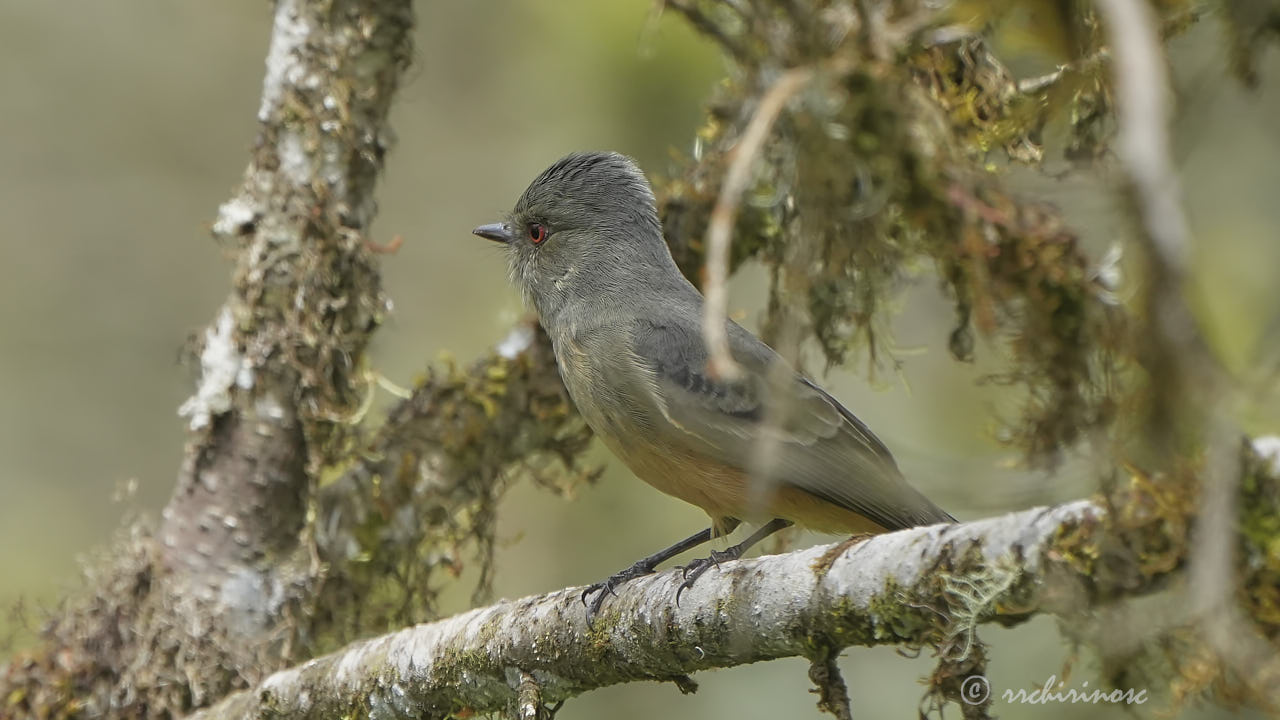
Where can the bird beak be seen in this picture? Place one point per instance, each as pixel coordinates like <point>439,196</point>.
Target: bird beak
<point>498,232</point>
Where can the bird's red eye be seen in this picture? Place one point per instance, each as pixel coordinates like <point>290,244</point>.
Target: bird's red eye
<point>537,233</point>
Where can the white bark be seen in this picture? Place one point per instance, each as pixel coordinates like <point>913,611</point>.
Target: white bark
<point>924,585</point>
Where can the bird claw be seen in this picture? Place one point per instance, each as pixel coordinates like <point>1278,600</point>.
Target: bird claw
<point>594,608</point>
<point>604,587</point>
<point>694,570</point>
<point>608,586</point>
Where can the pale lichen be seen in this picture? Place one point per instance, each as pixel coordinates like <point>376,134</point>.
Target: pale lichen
<point>223,367</point>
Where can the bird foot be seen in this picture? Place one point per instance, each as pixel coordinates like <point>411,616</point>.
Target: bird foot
<point>607,586</point>
<point>695,569</point>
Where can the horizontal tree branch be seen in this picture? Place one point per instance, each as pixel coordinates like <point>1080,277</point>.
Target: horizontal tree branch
<point>929,585</point>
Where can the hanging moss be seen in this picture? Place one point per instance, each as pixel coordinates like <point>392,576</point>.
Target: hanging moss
<point>886,165</point>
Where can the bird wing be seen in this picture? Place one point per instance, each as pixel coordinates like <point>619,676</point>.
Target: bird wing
<point>815,443</point>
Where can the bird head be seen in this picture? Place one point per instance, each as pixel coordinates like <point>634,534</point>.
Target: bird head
<point>585,230</point>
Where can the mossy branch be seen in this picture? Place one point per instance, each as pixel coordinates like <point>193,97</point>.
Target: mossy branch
<point>890,589</point>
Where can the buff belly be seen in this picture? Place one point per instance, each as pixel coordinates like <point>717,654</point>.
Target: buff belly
<point>725,492</point>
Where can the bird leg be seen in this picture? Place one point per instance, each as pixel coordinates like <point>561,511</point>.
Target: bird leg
<point>694,570</point>
<point>644,566</point>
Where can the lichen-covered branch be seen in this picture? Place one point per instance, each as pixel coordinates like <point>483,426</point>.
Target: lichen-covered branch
<point>926,586</point>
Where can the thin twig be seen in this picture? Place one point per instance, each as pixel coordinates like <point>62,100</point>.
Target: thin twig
<point>1142,99</point>
<point>874,37</point>
<point>704,24</point>
<point>528,698</point>
<point>1185,365</point>
<point>1180,361</point>
<point>833,694</point>
<point>1033,85</point>
<point>720,362</point>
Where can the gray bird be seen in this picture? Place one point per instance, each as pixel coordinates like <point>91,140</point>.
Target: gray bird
<point>586,248</point>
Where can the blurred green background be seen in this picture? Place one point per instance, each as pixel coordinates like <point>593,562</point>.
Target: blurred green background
<point>126,124</point>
